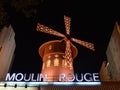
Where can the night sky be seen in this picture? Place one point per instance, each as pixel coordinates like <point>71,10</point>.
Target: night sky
<point>89,22</point>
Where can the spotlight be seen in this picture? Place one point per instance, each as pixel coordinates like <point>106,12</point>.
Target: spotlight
<point>5,85</point>
<point>25,85</point>
<point>15,85</point>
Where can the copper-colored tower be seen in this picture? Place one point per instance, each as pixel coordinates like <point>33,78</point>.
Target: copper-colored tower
<point>54,63</point>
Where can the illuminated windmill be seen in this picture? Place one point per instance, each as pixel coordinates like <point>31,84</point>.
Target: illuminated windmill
<point>58,55</point>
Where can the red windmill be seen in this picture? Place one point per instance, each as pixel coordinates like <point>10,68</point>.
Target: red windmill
<point>68,52</point>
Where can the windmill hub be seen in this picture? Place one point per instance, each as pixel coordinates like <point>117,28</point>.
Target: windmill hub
<point>68,37</point>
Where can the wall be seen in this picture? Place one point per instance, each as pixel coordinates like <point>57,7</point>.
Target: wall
<point>113,54</point>
<point>7,47</point>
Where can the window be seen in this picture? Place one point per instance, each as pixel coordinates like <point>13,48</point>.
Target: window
<point>50,47</point>
<point>48,63</point>
<point>56,62</point>
<point>64,63</point>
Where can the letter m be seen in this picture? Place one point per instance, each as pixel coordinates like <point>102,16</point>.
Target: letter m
<point>10,78</point>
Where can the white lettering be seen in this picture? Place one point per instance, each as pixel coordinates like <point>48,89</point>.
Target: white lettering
<point>90,78</point>
<point>29,77</point>
<point>79,80</point>
<point>70,77</point>
<point>32,77</point>
<point>96,77</point>
<point>38,77</point>
<point>19,77</point>
<point>12,78</point>
<point>62,77</point>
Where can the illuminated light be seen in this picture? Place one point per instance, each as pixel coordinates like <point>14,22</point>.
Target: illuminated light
<point>56,62</point>
<point>49,57</point>
<point>63,83</point>
<point>77,83</point>
<point>85,44</point>
<point>22,77</point>
<point>56,55</point>
<point>88,83</point>
<point>48,63</point>
<point>2,83</point>
<point>71,67</point>
<point>88,77</point>
<point>23,84</point>
<point>16,83</point>
<point>43,28</point>
<point>67,24</point>
<point>37,83</point>
<point>65,63</point>
<point>68,53</point>
<point>69,77</point>
<point>50,47</point>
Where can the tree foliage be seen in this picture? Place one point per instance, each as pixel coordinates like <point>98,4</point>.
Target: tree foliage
<point>27,7</point>
<point>4,17</point>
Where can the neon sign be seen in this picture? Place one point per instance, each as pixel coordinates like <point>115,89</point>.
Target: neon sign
<point>87,77</point>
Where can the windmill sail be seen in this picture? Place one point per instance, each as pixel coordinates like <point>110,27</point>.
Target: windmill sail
<point>45,29</point>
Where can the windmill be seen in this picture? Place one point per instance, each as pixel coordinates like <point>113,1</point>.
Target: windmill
<point>67,38</point>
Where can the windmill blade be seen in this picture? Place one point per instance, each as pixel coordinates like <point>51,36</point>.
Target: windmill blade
<point>43,28</point>
<point>67,24</point>
<point>68,53</point>
<point>85,44</point>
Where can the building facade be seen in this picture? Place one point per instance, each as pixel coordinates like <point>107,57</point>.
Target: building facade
<point>110,70</point>
<point>113,54</point>
<point>7,48</point>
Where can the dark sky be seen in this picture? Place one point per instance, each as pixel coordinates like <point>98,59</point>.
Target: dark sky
<point>89,22</point>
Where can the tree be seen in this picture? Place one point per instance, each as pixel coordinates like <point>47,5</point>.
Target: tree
<point>4,17</point>
<point>27,7</point>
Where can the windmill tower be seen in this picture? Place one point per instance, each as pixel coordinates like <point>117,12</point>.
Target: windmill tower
<point>58,55</point>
